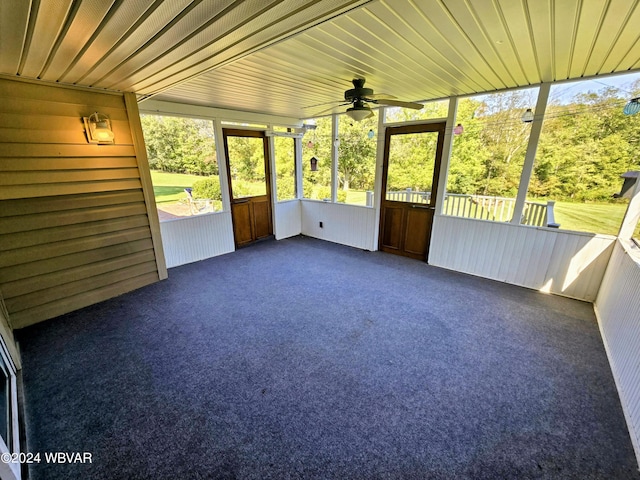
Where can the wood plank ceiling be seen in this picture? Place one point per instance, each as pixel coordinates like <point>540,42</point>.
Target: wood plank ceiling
<point>283,56</point>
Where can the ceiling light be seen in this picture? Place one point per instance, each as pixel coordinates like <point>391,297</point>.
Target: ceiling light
<point>98,128</point>
<point>632,107</point>
<point>527,117</point>
<point>359,111</point>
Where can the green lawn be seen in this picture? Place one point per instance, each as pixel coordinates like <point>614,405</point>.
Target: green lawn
<point>169,187</point>
<point>590,217</point>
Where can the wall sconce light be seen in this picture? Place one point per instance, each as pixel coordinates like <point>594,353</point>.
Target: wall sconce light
<point>314,164</point>
<point>98,129</point>
<point>527,117</point>
<point>632,107</point>
<point>458,129</point>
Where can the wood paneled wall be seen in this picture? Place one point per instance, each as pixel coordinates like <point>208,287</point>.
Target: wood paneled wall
<point>191,239</point>
<point>618,311</point>
<point>550,260</point>
<point>288,219</point>
<point>76,225</point>
<point>351,225</point>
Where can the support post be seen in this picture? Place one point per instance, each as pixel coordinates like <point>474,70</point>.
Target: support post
<point>335,140</point>
<point>379,195</point>
<point>298,161</point>
<point>530,157</point>
<point>446,155</point>
<point>142,161</point>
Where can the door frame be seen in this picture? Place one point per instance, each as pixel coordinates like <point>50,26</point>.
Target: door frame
<point>235,132</point>
<point>425,127</point>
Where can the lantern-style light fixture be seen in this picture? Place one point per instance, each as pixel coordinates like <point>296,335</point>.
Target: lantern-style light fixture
<point>458,129</point>
<point>98,129</point>
<point>527,117</point>
<point>314,164</point>
<point>632,107</point>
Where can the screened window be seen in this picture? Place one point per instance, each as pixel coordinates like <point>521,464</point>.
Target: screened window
<point>285,168</point>
<point>585,146</point>
<point>184,167</point>
<point>356,160</point>
<point>488,153</point>
<point>316,160</point>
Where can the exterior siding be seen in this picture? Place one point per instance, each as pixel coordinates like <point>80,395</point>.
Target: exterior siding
<point>75,224</point>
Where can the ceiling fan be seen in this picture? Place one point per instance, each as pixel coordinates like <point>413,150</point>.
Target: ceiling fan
<point>359,97</point>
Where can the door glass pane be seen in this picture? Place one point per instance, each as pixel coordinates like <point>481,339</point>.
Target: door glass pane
<point>246,164</point>
<point>411,164</point>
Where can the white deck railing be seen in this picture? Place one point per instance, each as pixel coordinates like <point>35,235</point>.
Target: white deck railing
<point>483,207</point>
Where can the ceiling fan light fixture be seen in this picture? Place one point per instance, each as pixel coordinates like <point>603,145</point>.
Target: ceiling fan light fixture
<point>359,113</point>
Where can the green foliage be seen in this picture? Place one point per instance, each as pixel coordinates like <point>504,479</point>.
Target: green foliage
<point>356,157</point>
<point>242,188</point>
<point>586,144</point>
<point>246,158</point>
<point>584,147</point>
<point>285,168</point>
<point>180,145</point>
<point>207,188</point>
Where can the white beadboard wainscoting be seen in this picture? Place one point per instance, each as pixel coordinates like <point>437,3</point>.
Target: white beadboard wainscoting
<point>288,219</point>
<point>556,261</point>
<point>190,239</point>
<point>618,310</point>
<point>351,225</point>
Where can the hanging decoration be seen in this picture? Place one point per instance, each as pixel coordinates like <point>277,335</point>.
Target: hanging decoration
<point>371,133</point>
<point>527,117</point>
<point>458,129</point>
<point>632,107</point>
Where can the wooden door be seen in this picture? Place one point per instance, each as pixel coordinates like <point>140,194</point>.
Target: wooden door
<point>411,167</point>
<point>247,153</point>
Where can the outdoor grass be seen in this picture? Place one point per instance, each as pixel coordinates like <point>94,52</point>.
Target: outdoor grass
<point>582,217</point>
<point>169,187</point>
<point>590,217</point>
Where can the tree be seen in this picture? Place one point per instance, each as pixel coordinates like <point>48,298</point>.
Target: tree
<point>180,145</point>
<point>356,153</point>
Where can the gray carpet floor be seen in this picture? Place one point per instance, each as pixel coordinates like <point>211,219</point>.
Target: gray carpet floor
<point>302,359</point>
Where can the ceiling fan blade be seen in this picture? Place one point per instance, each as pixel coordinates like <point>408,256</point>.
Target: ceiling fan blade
<point>330,109</point>
<point>397,103</point>
<point>323,104</point>
<point>380,96</point>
